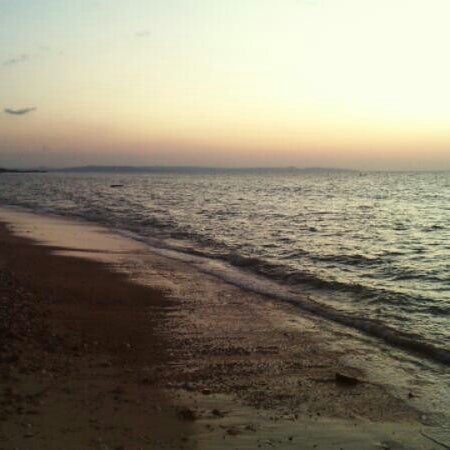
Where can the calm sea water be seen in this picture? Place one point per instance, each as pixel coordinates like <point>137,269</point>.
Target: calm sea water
<point>371,251</point>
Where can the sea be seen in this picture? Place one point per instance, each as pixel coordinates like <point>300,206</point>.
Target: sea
<point>369,250</point>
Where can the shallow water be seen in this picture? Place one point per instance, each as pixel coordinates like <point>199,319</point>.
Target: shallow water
<point>370,250</point>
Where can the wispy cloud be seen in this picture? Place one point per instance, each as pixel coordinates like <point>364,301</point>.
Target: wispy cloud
<point>16,60</point>
<point>40,52</point>
<point>143,33</point>
<point>19,112</point>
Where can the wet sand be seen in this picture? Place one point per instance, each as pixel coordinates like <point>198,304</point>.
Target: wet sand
<point>106,345</point>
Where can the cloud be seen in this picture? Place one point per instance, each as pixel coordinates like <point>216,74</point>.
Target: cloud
<point>17,60</point>
<point>19,112</point>
<point>143,33</point>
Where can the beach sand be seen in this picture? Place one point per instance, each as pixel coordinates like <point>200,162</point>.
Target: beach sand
<point>106,345</point>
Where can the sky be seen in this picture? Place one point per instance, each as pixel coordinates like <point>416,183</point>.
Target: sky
<point>338,83</point>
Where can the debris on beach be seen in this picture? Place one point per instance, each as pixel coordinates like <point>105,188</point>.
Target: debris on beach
<point>347,380</point>
<point>217,413</point>
<point>187,414</point>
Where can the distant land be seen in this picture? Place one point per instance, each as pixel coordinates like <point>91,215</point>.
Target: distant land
<point>192,169</point>
<point>4,170</point>
<point>199,169</point>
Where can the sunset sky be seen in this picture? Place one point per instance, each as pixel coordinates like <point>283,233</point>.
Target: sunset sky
<point>348,83</point>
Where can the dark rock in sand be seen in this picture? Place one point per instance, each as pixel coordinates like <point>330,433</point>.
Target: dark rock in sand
<point>217,413</point>
<point>105,364</point>
<point>233,431</point>
<point>10,359</point>
<point>346,380</point>
<point>118,390</point>
<point>187,414</point>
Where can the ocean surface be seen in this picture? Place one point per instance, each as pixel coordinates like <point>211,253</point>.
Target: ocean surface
<point>368,250</point>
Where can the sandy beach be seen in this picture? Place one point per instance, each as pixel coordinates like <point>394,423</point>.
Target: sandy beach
<point>106,345</point>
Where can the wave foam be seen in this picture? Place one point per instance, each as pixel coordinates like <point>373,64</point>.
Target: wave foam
<point>259,285</point>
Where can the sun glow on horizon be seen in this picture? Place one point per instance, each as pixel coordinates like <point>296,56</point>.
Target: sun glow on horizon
<point>330,82</point>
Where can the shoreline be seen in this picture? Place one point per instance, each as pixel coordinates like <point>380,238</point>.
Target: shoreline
<point>203,350</point>
<point>408,342</point>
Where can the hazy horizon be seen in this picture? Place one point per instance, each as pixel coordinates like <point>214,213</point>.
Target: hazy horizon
<point>352,84</point>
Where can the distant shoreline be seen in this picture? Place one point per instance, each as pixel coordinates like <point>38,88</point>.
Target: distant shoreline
<point>2,170</point>
<point>197,169</point>
<point>113,169</point>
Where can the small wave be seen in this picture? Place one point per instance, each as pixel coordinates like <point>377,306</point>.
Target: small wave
<point>406,341</point>
<point>351,260</point>
<point>438,310</point>
<point>433,228</point>
<point>295,277</point>
<point>242,261</point>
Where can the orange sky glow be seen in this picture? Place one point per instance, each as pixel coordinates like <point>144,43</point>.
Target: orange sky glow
<point>343,83</point>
